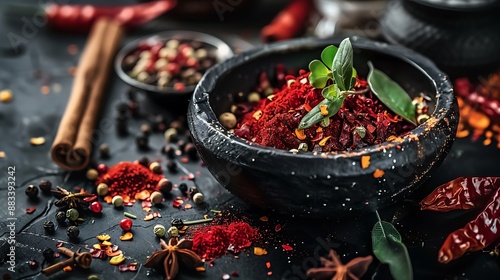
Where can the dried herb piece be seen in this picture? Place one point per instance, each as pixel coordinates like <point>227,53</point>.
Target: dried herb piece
<point>171,254</point>
<point>389,249</point>
<point>334,269</point>
<point>391,94</point>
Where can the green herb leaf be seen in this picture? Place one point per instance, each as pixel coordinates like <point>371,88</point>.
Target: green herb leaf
<point>319,74</point>
<point>328,54</point>
<point>314,116</point>
<point>330,92</point>
<point>391,94</point>
<point>342,65</point>
<point>388,248</point>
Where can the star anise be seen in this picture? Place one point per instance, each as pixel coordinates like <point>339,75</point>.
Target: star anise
<point>68,199</point>
<point>171,254</point>
<point>334,269</point>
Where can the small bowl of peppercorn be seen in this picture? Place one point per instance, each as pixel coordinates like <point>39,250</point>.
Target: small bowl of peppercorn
<point>169,65</point>
<point>246,114</point>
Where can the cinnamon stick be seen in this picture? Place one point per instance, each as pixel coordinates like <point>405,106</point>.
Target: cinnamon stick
<point>72,146</point>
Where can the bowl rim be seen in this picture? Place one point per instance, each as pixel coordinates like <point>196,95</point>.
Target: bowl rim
<point>445,98</point>
<point>224,52</point>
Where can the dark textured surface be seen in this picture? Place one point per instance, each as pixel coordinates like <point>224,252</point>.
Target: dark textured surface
<point>313,185</point>
<point>33,114</point>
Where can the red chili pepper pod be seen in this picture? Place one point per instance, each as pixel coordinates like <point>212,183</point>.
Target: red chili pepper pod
<point>461,193</point>
<point>79,18</point>
<point>476,235</point>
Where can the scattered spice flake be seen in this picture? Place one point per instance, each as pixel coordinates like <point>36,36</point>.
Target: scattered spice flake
<point>149,217</point>
<point>188,206</point>
<point>106,243</point>
<point>269,273</point>
<point>300,134</point>
<point>72,49</point>
<point>177,203</point>
<point>97,246</point>
<point>268,265</point>
<point>277,228</point>
<point>45,90</point>
<point>378,173</point>
<point>37,141</point>
<point>365,162</point>
<point>2,154</point>
<point>264,218</point>
<point>110,253</point>
<point>30,210</point>
<point>117,259</point>
<point>128,267</point>
<point>323,141</point>
<point>215,211</point>
<point>200,269</point>
<point>90,198</point>
<point>67,268</point>
<point>103,237</point>
<point>146,204</point>
<point>462,133</point>
<point>127,236</point>
<point>98,253</point>
<point>147,209</point>
<point>235,273</point>
<point>127,214</point>
<point>59,244</point>
<point>142,195</point>
<point>190,176</point>
<point>128,204</point>
<point>6,95</point>
<point>185,160</point>
<point>108,199</point>
<point>258,251</point>
<point>287,247</point>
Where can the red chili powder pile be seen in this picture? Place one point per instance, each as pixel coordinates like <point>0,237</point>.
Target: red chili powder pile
<point>272,122</point>
<point>127,178</point>
<point>213,241</point>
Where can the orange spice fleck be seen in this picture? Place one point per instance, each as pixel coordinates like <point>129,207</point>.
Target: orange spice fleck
<point>2,154</point>
<point>319,129</point>
<point>323,110</point>
<point>462,133</point>
<point>45,90</point>
<point>268,265</point>
<point>142,195</point>
<point>127,236</point>
<point>365,162</point>
<point>108,199</point>
<point>264,218</point>
<point>478,120</point>
<point>378,173</point>
<point>323,141</point>
<point>300,134</point>
<point>67,268</point>
<point>307,107</point>
<point>257,115</point>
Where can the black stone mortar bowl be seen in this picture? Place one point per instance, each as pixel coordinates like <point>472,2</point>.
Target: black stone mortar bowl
<point>330,184</point>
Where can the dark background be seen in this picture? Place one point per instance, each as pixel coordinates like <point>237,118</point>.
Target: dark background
<point>44,60</point>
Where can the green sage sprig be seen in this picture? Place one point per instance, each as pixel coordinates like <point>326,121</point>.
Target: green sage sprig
<point>336,65</point>
<point>389,249</point>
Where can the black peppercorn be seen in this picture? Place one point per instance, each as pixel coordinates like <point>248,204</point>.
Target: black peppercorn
<point>183,188</point>
<point>61,216</point>
<point>165,185</point>
<point>73,232</point>
<point>190,150</point>
<point>181,144</point>
<point>121,125</point>
<point>104,150</point>
<point>159,123</point>
<point>49,226</point>
<point>132,94</point>
<point>48,254</point>
<point>178,223</point>
<point>32,191</point>
<point>169,151</point>
<point>172,166</point>
<point>133,108</point>
<point>146,129</point>
<point>142,142</point>
<point>144,161</point>
<point>122,108</point>
<point>45,186</point>
<point>192,191</point>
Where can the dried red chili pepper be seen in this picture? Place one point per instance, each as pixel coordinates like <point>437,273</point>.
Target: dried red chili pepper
<point>461,193</point>
<point>485,104</point>
<point>79,18</point>
<point>288,22</point>
<point>476,235</point>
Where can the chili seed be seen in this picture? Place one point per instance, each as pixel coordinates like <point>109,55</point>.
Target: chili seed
<point>164,185</point>
<point>73,232</point>
<point>45,186</point>
<point>72,214</point>
<point>49,226</point>
<point>173,231</point>
<point>117,201</point>
<point>92,174</point>
<point>142,142</point>
<point>171,135</point>
<point>159,230</point>
<point>183,188</point>
<point>48,254</point>
<point>172,166</point>
<point>155,167</point>
<point>198,198</point>
<point>228,120</point>
<point>156,197</point>
<point>61,216</point>
<point>102,189</point>
<point>31,191</point>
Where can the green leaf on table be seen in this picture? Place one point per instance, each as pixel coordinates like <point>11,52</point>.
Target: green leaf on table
<point>389,249</point>
<point>320,74</point>
<point>342,65</point>
<point>328,54</point>
<point>330,92</point>
<point>314,116</point>
<point>391,94</point>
